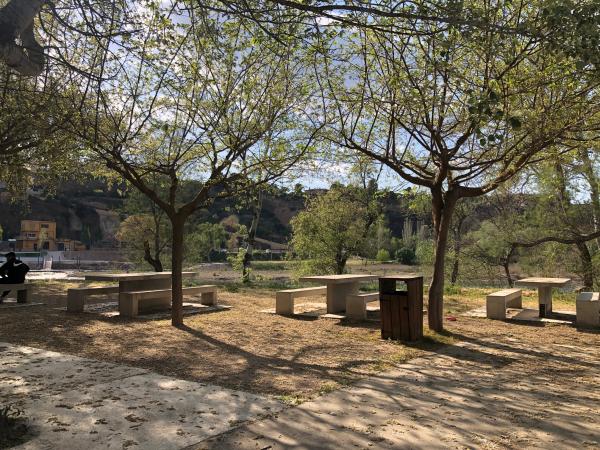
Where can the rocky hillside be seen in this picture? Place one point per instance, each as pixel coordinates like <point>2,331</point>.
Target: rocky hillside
<point>91,212</point>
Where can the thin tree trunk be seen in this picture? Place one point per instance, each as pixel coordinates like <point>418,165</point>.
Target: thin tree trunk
<point>340,265</point>
<point>587,267</point>
<point>153,261</point>
<point>594,183</point>
<point>157,243</point>
<point>176,269</point>
<point>252,238</point>
<point>456,264</point>
<point>443,208</point>
<point>506,267</point>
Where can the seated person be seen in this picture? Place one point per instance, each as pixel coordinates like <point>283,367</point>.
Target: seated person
<point>13,271</point>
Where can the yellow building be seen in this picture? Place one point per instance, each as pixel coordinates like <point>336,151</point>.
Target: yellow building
<point>39,235</point>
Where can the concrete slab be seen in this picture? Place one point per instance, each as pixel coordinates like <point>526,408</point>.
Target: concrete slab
<point>77,403</point>
<point>26,371</point>
<point>527,315</point>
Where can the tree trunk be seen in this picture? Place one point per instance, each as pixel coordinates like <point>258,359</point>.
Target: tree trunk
<point>509,279</point>
<point>443,208</point>
<point>456,264</point>
<point>594,183</point>
<point>177,223</point>
<point>587,267</point>
<point>251,239</point>
<point>17,22</point>
<point>340,265</point>
<point>154,262</point>
<point>506,266</point>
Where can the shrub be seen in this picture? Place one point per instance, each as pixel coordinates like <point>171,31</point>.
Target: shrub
<point>425,252</point>
<point>406,256</point>
<point>383,255</point>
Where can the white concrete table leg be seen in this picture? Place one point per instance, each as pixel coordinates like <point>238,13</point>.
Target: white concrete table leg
<point>545,298</point>
<point>336,296</point>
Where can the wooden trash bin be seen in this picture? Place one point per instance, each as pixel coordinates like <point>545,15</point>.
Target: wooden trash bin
<point>401,310</point>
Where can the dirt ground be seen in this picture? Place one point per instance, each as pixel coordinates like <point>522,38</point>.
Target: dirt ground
<point>244,348</point>
<point>504,386</point>
<point>241,348</point>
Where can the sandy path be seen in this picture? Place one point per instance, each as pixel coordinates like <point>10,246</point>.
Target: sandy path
<point>485,393</point>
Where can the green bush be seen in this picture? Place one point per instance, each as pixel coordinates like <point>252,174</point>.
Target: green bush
<point>425,252</point>
<point>406,256</point>
<point>383,255</point>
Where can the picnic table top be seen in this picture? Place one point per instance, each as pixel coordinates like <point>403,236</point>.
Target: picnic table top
<point>339,279</point>
<point>104,276</point>
<point>541,281</point>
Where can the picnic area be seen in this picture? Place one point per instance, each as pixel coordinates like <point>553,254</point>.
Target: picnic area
<point>299,224</point>
<point>291,368</point>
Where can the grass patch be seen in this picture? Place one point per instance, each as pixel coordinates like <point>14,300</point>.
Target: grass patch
<point>272,265</point>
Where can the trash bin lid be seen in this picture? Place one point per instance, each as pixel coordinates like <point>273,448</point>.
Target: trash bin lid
<point>402,276</point>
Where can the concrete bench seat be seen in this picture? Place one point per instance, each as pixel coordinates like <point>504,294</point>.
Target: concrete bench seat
<point>497,303</point>
<point>588,309</point>
<point>22,290</point>
<point>356,304</point>
<point>76,297</point>
<point>284,300</point>
<point>132,303</point>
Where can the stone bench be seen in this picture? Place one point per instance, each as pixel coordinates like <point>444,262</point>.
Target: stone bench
<point>356,305</point>
<point>76,297</point>
<point>497,303</point>
<point>588,309</point>
<point>284,300</point>
<point>22,290</point>
<point>132,303</point>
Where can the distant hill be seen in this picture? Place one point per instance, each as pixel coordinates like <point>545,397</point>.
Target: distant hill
<point>91,212</point>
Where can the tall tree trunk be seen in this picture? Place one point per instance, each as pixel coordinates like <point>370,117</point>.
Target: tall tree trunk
<point>252,238</point>
<point>177,223</point>
<point>443,208</point>
<point>587,267</point>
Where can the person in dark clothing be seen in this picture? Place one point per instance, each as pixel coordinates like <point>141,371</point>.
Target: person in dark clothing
<point>13,271</point>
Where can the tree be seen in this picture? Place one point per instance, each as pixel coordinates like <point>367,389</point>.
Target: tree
<point>256,210</point>
<point>329,231</point>
<point>569,26</point>
<point>151,240</point>
<point>461,222</point>
<point>458,112</point>
<point>212,100</point>
<point>204,239</point>
<point>146,238</point>
<point>34,147</point>
<point>572,221</point>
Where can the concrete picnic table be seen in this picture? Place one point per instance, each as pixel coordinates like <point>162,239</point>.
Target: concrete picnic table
<point>544,286</point>
<point>140,281</point>
<point>135,281</point>
<point>338,287</point>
